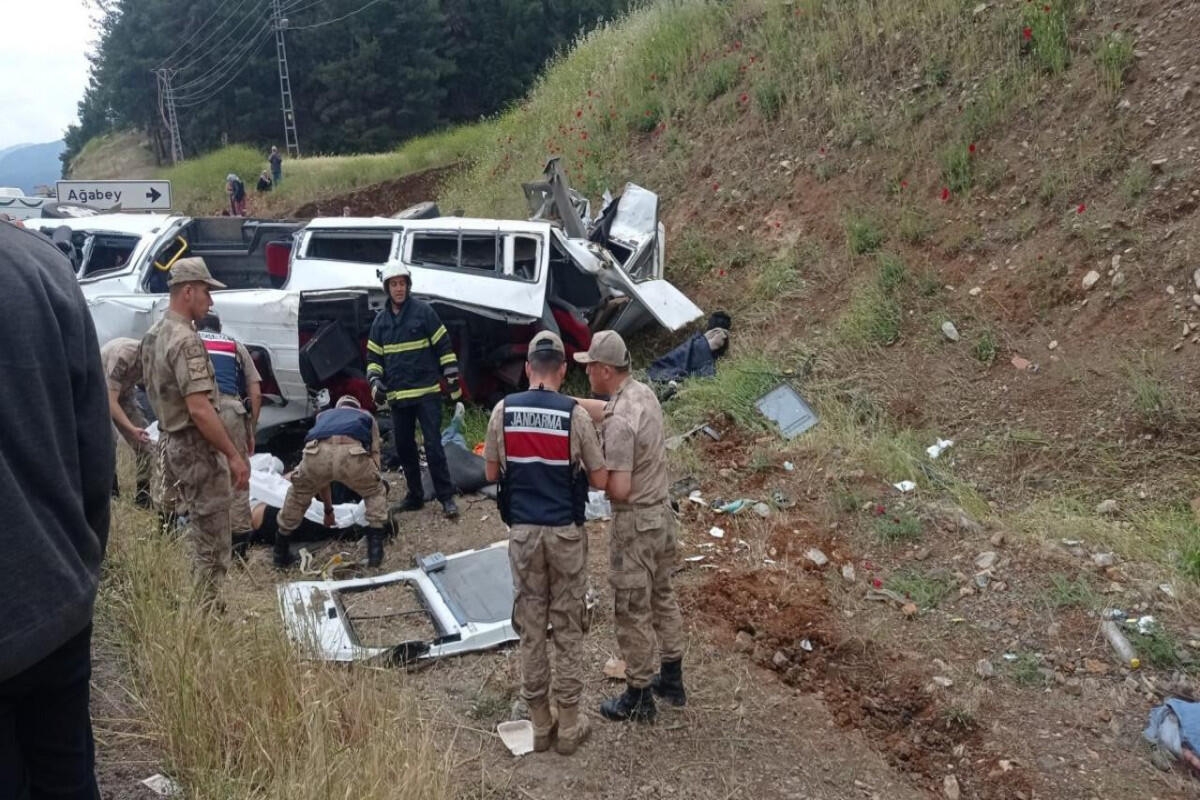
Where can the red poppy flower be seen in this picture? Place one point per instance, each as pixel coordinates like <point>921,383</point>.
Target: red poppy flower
<point>821,151</point>
<point>716,186</point>
<point>744,98</point>
<point>971,147</point>
<point>721,273</point>
<point>878,584</point>
<point>1046,9</point>
<point>879,512</point>
<point>1082,208</point>
<point>945,194</point>
<point>903,185</point>
<point>778,224</point>
<point>578,113</point>
<point>1027,33</point>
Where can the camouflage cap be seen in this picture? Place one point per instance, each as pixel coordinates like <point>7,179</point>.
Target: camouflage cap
<point>192,270</point>
<point>607,348</point>
<point>547,341</point>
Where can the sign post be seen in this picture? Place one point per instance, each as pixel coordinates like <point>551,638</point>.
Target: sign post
<point>117,195</point>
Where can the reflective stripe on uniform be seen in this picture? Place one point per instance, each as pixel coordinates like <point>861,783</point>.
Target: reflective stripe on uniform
<point>449,358</point>
<point>405,347</point>
<point>375,368</point>
<point>374,348</point>
<point>438,334</point>
<point>408,394</point>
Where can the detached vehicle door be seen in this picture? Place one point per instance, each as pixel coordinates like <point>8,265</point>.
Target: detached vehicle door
<point>636,241</point>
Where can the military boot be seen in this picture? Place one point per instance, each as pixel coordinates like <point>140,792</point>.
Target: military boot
<point>374,546</point>
<point>668,683</point>
<point>544,724</point>
<point>573,728</point>
<point>634,704</point>
<point>282,557</point>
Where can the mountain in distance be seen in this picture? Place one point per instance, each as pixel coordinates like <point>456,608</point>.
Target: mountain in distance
<point>27,166</point>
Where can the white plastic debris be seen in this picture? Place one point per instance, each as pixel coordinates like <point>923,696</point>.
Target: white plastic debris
<point>1167,589</point>
<point>1146,625</point>
<point>806,645</point>
<point>935,450</point>
<point>694,559</point>
<point>598,506</point>
<point>716,533</point>
<point>517,736</point>
<point>905,486</point>
<point>697,498</point>
<point>788,466</point>
<point>162,785</point>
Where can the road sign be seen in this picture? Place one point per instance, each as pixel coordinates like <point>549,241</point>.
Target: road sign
<point>117,195</point>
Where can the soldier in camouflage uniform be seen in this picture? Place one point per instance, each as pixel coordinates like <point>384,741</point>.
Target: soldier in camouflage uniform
<point>122,364</point>
<point>344,446</point>
<point>642,537</point>
<point>199,456</point>
<point>240,399</point>
<point>543,449</point>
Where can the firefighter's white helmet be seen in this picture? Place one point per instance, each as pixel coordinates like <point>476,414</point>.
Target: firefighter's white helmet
<point>394,270</point>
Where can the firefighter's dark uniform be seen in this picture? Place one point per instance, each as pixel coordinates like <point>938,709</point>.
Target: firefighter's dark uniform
<point>410,351</point>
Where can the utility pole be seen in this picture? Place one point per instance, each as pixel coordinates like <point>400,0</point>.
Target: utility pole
<point>166,105</point>
<point>291,140</point>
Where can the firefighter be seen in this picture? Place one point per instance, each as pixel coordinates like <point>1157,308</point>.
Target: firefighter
<point>408,356</point>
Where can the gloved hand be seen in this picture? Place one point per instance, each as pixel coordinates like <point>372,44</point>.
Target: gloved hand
<point>378,392</point>
<point>453,390</point>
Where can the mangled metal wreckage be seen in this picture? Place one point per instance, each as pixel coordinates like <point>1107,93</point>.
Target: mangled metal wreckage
<point>463,600</point>
<point>302,295</point>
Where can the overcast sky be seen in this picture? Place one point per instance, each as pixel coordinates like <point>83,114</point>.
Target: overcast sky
<point>44,61</point>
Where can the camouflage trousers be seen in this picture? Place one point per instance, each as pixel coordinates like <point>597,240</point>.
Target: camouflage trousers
<point>549,570</point>
<point>238,425</point>
<point>641,558</point>
<point>324,462</point>
<point>143,454</point>
<point>200,478</point>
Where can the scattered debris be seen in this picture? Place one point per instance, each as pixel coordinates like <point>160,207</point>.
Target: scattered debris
<point>1103,560</point>
<point>716,533</point>
<point>517,736</point>
<point>731,508</point>
<point>787,409</point>
<point>949,331</point>
<point>674,442</point>
<point>905,486</point>
<point>162,785</point>
<point>1090,279</point>
<point>1167,589</point>
<point>935,450</point>
<point>697,498</point>
<point>975,291</point>
<point>848,573</point>
<point>1146,625</point>
<point>694,559</point>
<point>1024,364</point>
<point>943,681</point>
<point>985,669</point>
<point>1120,644</point>
<point>614,669</point>
<point>1175,727</point>
<point>1107,507</point>
<point>806,645</point>
<point>762,509</point>
<point>817,557</point>
<point>1053,345</point>
<point>788,466</point>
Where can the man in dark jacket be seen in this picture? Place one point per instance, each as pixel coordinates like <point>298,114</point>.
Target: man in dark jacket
<point>408,356</point>
<point>56,471</point>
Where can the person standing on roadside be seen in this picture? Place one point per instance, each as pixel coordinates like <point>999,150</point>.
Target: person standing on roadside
<point>200,457</point>
<point>543,449</point>
<point>122,362</point>
<point>236,191</point>
<point>276,162</point>
<point>641,544</point>
<point>408,357</point>
<point>57,462</point>
<point>240,399</point>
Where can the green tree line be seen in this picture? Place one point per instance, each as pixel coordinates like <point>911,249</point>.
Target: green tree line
<point>389,70</point>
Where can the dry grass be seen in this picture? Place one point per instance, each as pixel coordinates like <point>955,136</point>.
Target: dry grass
<point>232,710</point>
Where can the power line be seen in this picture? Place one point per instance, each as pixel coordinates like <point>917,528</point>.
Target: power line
<point>220,51</point>
<point>218,35</point>
<point>215,49</point>
<point>235,67</point>
<point>185,42</point>
<point>322,24</point>
<point>231,60</point>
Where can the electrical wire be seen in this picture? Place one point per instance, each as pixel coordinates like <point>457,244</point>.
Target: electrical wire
<point>196,100</point>
<point>198,31</point>
<point>322,24</point>
<point>218,70</point>
<point>217,35</point>
<point>233,67</point>
<point>215,51</point>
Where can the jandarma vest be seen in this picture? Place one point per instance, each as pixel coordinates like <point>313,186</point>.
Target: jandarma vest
<point>540,486</point>
<point>222,351</point>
